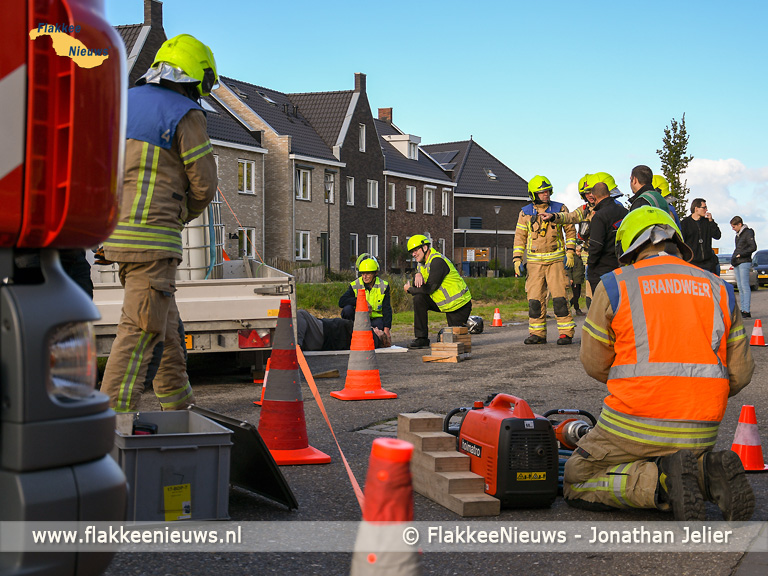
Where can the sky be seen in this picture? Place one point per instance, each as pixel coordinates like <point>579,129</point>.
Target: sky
<point>557,88</point>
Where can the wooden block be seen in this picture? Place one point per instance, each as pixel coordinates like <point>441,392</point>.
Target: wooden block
<point>429,441</point>
<point>431,485</point>
<point>474,504</point>
<point>456,482</point>
<point>457,347</point>
<point>448,337</point>
<point>460,330</point>
<point>419,422</point>
<point>448,461</point>
<point>433,358</point>
<point>466,338</point>
<point>327,374</point>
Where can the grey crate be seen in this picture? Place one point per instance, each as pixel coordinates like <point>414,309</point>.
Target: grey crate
<point>182,472</point>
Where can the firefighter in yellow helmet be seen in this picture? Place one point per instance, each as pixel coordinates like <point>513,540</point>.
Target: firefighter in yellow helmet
<point>544,245</point>
<point>436,286</point>
<point>170,178</point>
<point>376,294</point>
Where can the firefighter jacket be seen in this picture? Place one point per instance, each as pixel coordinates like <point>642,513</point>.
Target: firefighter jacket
<point>170,175</point>
<point>453,292</point>
<point>581,216</point>
<point>542,242</point>
<point>376,294</point>
<point>667,338</point>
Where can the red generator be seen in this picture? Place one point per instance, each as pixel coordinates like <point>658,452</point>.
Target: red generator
<point>514,449</point>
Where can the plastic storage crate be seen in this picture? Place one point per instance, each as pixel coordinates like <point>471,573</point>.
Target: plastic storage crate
<point>180,473</point>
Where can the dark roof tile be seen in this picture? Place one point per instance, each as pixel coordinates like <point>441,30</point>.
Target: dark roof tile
<point>223,126</point>
<point>395,161</point>
<point>129,33</point>
<point>325,111</point>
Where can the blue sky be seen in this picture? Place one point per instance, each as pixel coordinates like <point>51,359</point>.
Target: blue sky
<point>557,88</point>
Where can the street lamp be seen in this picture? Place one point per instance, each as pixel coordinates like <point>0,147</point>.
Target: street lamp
<point>497,209</point>
<point>328,190</point>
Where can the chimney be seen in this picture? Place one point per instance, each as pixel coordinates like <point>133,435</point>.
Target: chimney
<point>153,13</point>
<point>360,82</point>
<point>385,115</point>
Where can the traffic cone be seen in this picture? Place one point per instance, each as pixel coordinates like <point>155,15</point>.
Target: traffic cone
<point>388,508</point>
<point>363,379</point>
<point>263,384</point>
<point>496,318</point>
<point>746,441</point>
<point>757,338</point>
<point>281,422</point>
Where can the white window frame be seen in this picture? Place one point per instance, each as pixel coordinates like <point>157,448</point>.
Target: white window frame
<point>330,176</point>
<point>247,236</point>
<point>441,245</point>
<point>372,244</point>
<point>395,241</point>
<point>350,191</point>
<point>353,245</point>
<point>391,195</point>
<point>410,198</point>
<point>413,151</point>
<point>302,245</point>
<point>429,199</point>
<point>244,167</point>
<point>303,184</point>
<point>361,133</point>
<point>373,194</point>
<point>446,202</point>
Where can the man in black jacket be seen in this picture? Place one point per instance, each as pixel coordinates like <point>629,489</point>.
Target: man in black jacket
<point>698,230</point>
<point>602,236</point>
<point>742,261</point>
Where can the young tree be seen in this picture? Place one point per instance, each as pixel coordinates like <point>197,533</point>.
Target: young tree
<point>674,161</point>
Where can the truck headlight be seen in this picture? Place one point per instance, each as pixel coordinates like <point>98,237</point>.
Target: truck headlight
<point>72,361</point>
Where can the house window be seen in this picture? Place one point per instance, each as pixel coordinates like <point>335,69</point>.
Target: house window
<point>362,137</point>
<point>410,198</point>
<point>330,195</point>
<point>429,200</point>
<point>395,241</point>
<point>373,245</point>
<point>441,245</point>
<point>373,194</point>
<point>303,184</point>
<point>245,170</point>
<point>391,195</point>
<point>302,245</point>
<point>446,201</point>
<point>350,191</point>
<point>413,151</point>
<point>246,242</point>
<point>353,247</point>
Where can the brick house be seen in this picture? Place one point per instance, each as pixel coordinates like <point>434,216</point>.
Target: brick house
<point>418,193</point>
<point>482,183</point>
<point>142,41</point>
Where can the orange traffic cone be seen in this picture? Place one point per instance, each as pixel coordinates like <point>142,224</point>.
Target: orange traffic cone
<point>388,508</point>
<point>757,338</point>
<point>496,318</point>
<point>281,423</point>
<point>363,379</point>
<point>263,384</point>
<point>746,441</point>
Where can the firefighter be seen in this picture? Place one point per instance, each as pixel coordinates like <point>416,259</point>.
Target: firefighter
<point>652,446</point>
<point>170,178</point>
<point>646,194</point>
<point>544,245</point>
<point>436,286</point>
<point>376,293</point>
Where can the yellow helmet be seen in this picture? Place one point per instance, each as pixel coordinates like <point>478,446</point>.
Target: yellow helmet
<point>538,184</point>
<point>647,224</point>
<point>661,184</point>
<point>603,177</point>
<point>193,57</point>
<point>584,186</point>
<point>416,241</point>
<point>369,265</point>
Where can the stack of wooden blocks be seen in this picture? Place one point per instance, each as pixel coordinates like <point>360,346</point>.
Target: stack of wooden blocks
<point>439,471</point>
<point>454,345</point>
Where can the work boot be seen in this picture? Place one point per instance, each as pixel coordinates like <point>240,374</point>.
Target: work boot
<point>534,339</point>
<point>724,482</point>
<point>417,343</point>
<point>578,312</point>
<point>564,340</point>
<point>679,485</point>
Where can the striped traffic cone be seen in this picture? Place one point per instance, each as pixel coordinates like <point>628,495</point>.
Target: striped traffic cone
<point>757,338</point>
<point>281,422</point>
<point>496,318</point>
<point>380,547</point>
<point>363,379</point>
<point>746,441</point>
<point>263,385</point>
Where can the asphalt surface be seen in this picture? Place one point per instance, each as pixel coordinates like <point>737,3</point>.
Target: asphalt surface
<point>546,376</point>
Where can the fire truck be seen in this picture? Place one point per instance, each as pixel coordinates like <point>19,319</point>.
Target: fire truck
<point>62,122</point>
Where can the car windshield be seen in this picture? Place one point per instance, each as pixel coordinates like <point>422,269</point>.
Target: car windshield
<point>724,258</point>
<point>761,257</point>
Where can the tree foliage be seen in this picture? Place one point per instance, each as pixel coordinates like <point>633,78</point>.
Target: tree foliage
<point>674,161</point>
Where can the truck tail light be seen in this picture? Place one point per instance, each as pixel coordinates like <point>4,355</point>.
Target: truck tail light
<point>72,361</point>
<point>254,338</point>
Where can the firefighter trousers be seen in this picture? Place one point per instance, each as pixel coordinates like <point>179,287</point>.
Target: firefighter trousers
<point>542,280</point>
<point>149,316</point>
<point>606,471</point>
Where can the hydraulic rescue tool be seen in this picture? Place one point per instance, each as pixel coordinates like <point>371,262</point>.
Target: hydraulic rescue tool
<point>569,431</point>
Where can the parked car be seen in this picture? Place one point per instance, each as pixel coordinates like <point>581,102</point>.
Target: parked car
<point>727,272</point>
<point>760,264</point>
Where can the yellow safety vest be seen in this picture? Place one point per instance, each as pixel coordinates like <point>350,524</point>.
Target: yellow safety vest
<point>374,296</point>
<point>453,292</point>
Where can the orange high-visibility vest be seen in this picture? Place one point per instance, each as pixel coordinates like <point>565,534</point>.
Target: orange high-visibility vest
<point>671,324</point>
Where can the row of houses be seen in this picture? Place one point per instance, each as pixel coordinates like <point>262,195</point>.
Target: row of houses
<point>317,178</point>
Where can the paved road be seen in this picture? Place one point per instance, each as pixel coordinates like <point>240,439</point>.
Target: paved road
<point>546,376</point>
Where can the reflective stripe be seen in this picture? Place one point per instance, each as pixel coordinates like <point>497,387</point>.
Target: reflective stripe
<point>565,325</point>
<point>362,360</point>
<point>125,392</point>
<point>668,369</point>
<point>597,333</point>
<point>737,334</point>
<point>670,433</point>
<point>175,398</point>
<point>453,281</point>
<point>145,237</point>
<point>197,152</point>
<point>145,183</point>
<point>546,257</point>
<point>618,476</point>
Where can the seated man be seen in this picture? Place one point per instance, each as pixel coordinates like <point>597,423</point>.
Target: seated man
<point>315,334</point>
<point>376,293</point>
<point>667,339</point>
